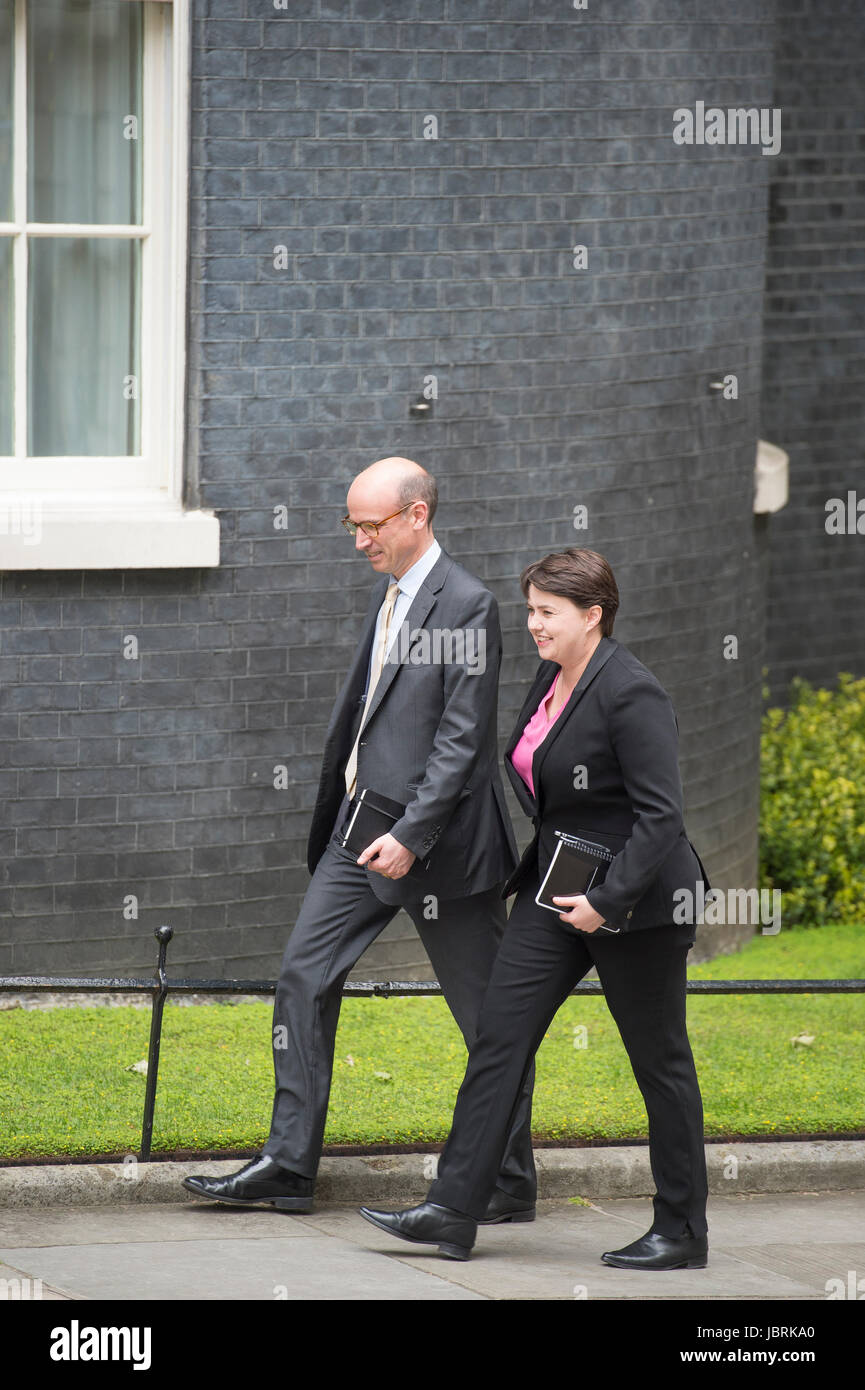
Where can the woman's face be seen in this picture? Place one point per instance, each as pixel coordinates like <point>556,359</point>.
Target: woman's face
<point>564,632</point>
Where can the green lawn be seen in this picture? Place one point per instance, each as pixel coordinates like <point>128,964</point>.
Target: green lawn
<point>399,1062</point>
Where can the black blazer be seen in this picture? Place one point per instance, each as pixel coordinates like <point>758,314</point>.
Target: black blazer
<point>620,726</point>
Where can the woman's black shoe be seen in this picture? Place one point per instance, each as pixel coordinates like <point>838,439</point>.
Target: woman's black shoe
<point>428,1224</point>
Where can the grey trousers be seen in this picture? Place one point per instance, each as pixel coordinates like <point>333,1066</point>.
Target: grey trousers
<point>340,916</point>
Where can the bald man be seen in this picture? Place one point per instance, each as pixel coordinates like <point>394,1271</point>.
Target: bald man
<point>415,722</point>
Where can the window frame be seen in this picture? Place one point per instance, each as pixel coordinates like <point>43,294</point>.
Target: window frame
<point>110,491</point>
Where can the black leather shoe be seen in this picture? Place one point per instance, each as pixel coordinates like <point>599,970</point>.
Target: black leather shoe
<point>260,1182</point>
<point>428,1224</point>
<point>654,1251</point>
<point>503,1207</point>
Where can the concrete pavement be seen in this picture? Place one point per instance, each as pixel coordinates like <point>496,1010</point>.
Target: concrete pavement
<point>786,1222</point>
<point>776,1247</point>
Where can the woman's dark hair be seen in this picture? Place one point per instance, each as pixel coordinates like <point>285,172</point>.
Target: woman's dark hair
<point>583,576</point>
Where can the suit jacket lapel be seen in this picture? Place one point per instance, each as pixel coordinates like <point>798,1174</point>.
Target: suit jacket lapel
<point>543,679</point>
<point>542,682</point>
<point>416,616</point>
<point>600,656</point>
<point>352,686</point>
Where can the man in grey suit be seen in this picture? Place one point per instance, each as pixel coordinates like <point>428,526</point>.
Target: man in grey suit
<point>414,722</point>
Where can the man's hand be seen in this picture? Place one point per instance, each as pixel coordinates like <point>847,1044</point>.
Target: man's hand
<point>582,915</point>
<point>388,857</point>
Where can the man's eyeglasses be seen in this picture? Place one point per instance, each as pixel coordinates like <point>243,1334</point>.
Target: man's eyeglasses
<point>370,528</point>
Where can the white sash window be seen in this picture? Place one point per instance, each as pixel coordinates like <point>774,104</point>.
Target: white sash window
<point>93,189</point>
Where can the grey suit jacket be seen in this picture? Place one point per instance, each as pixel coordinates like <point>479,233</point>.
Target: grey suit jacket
<point>429,740</point>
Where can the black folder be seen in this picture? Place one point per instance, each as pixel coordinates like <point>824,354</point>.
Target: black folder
<point>373,815</point>
<point>574,868</point>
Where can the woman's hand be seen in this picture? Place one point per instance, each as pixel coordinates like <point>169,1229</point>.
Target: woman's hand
<point>582,915</point>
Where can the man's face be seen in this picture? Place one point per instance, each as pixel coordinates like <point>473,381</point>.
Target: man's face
<point>400,541</point>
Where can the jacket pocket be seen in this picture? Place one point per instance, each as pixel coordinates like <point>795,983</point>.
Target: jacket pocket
<point>700,862</point>
<point>526,864</point>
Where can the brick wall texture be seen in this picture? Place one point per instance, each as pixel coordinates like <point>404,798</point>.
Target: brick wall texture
<point>814,340</point>
<point>337,259</point>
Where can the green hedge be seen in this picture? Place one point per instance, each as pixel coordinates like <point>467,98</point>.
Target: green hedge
<point>812,812</point>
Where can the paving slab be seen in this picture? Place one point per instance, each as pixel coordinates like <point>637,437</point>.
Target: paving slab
<point>778,1247</point>
<point>315,1267</point>
<point>558,1255</point>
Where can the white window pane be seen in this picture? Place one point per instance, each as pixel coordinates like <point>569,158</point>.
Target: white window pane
<point>84,99</point>
<point>7,318</point>
<point>84,384</point>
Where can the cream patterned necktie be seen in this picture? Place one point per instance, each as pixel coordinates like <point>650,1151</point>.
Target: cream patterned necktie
<point>375,672</point>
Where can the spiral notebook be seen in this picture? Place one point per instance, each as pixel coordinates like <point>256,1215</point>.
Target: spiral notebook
<point>574,868</point>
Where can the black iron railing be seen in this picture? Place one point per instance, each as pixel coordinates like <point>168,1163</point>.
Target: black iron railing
<point>159,986</point>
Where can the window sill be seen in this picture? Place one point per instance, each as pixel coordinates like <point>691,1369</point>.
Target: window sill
<point>142,531</point>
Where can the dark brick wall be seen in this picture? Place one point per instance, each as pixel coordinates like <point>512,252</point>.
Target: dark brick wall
<point>814,339</point>
<point>557,387</point>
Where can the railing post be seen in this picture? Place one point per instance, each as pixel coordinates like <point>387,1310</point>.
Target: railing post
<point>160,989</point>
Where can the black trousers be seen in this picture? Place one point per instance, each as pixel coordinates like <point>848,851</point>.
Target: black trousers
<point>340,916</point>
<point>643,975</point>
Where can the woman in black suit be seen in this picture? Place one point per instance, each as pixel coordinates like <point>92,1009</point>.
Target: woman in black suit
<point>594,753</point>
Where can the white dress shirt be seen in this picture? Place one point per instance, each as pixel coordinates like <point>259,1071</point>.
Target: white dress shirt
<point>408,587</point>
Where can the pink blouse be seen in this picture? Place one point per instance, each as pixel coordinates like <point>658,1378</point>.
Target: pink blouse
<point>534,734</point>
